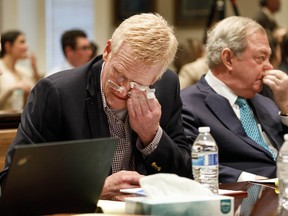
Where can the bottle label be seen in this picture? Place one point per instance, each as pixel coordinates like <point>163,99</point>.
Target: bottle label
<point>204,159</point>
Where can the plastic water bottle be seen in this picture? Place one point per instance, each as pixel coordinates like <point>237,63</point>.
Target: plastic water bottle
<point>205,160</point>
<point>282,174</point>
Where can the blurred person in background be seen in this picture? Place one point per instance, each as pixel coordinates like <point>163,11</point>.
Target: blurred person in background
<point>265,16</point>
<point>191,72</point>
<point>187,52</point>
<point>0,52</point>
<point>15,76</point>
<point>94,49</point>
<point>284,54</point>
<point>76,49</point>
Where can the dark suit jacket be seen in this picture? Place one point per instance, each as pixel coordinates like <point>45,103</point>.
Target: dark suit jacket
<point>202,106</point>
<point>68,106</point>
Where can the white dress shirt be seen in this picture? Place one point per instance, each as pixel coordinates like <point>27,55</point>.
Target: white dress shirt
<point>220,88</point>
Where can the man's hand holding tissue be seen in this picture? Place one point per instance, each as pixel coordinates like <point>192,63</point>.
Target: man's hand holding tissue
<point>117,181</point>
<point>144,114</point>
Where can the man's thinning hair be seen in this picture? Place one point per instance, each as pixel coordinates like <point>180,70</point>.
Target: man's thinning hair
<point>149,36</point>
<point>69,38</point>
<point>229,33</point>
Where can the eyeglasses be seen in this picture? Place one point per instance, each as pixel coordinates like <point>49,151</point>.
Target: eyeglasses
<point>117,79</point>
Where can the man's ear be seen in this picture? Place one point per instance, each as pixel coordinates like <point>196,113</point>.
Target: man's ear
<point>7,47</point>
<point>227,57</point>
<point>107,50</point>
<point>68,50</point>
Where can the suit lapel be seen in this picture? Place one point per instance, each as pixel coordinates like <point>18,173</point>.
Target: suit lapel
<point>96,116</point>
<point>222,109</point>
<point>266,122</point>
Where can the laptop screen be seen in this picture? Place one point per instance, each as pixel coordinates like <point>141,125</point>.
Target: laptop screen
<point>60,177</point>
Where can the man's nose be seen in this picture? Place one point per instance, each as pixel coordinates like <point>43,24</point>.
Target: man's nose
<point>268,66</point>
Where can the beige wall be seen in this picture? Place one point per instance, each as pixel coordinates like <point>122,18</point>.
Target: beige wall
<point>29,16</point>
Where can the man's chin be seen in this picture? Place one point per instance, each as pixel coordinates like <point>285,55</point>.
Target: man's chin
<point>259,88</point>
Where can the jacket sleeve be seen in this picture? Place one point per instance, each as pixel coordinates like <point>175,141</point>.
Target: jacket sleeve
<point>173,154</point>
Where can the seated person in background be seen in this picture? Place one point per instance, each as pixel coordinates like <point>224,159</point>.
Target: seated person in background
<point>187,52</point>
<point>191,72</point>
<point>0,52</point>
<point>111,97</point>
<point>284,54</point>
<point>265,16</point>
<point>15,76</point>
<point>94,49</point>
<point>76,49</point>
<point>238,57</point>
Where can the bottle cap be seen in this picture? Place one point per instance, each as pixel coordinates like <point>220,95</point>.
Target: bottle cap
<point>206,130</point>
<point>286,137</point>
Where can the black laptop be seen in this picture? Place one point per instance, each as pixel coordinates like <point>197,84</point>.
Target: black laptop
<point>62,177</point>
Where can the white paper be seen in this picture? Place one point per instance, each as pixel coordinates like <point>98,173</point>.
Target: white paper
<point>136,191</point>
<point>265,181</point>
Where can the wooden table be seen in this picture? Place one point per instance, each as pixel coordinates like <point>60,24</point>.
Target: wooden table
<point>263,202</point>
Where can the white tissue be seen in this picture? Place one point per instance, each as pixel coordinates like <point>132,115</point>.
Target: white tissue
<point>140,87</point>
<point>159,187</point>
<point>149,92</point>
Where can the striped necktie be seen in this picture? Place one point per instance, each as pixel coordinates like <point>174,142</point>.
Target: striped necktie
<point>250,125</point>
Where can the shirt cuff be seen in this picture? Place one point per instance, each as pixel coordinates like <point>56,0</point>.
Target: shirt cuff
<point>284,119</point>
<point>152,146</point>
<point>245,176</point>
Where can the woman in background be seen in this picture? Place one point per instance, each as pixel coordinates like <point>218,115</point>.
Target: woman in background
<point>15,78</point>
